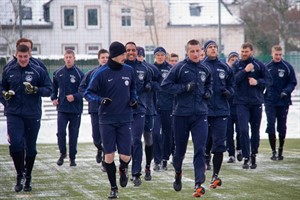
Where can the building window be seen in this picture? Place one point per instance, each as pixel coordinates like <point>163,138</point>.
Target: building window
<point>93,17</point>
<point>149,17</point>
<point>73,47</point>
<point>47,13</point>
<point>195,9</point>
<point>126,16</point>
<point>36,49</point>
<point>149,53</point>
<point>26,13</point>
<point>69,17</point>
<point>92,49</point>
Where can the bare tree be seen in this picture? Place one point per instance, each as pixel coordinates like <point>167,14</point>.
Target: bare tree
<point>270,22</point>
<point>9,32</point>
<point>146,11</point>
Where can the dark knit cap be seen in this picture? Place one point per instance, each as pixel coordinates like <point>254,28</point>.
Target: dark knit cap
<point>231,54</point>
<point>116,49</point>
<point>208,43</point>
<point>160,49</point>
<point>141,51</point>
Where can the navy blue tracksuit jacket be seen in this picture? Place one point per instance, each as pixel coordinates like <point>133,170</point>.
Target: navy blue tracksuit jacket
<point>284,80</point>
<point>65,82</point>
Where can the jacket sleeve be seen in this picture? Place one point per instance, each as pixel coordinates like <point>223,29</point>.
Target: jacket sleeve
<point>230,82</point>
<point>77,95</point>
<point>54,93</point>
<point>133,94</point>
<point>91,93</point>
<point>266,78</point>
<point>239,75</point>
<point>45,86</point>
<point>170,85</point>
<point>292,81</point>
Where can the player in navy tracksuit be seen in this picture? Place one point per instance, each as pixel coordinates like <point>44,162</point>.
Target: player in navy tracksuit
<point>66,97</point>
<point>278,99</point>
<point>251,78</point>
<point>156,79</point>
<point>218,107</point>
<point>143,86</point>
<point>191,81</point>
<point>113,87</point>
<point>35,61</point>
<point>163,141</point>
<point>232,125</point>
<point>23,86</point>
<point>93,106</point>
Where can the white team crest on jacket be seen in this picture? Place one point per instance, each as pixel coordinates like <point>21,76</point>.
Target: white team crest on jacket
<point>164,75</point>
<point>141,76</point>
<point>222,75</point>
<point>281,73</point>
<point>126,82</point>
<point>28,78</point>
<point>72,79</point>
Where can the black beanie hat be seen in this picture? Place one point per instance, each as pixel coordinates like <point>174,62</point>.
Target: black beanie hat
<point>116,49</point>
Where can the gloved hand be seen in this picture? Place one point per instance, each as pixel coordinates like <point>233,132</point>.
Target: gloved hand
<point>133,103</point>
<point>30,89</point>
<point>7,95</point>
<point>190,86</point>
<point>147,87</point>
<point>207,95</point>
<point>283,95</point>
<point>225,93</point>
<point>106,101</point>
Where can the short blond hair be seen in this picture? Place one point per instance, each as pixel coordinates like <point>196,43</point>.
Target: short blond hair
<point>277,48</point>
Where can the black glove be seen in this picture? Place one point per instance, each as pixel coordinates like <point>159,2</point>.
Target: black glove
<point>283,95</point>
<point>7,95</point>
<point>207,95</point>
<point>225,93</point>
<point>133,103</point>
<point>190,86</point>
<point>105,101</point>
<point>30,89</point>
<point>147,87</point>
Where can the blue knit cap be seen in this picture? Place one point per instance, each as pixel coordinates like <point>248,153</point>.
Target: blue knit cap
<point>233,53</point>
<point>141,51</point>
<point>208,43</point>
<point>159,49</point>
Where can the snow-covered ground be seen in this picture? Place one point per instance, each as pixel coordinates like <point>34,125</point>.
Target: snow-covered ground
<point>48,128</point>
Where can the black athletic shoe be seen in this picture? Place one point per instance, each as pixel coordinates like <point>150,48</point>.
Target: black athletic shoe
<point>123,177</point>
<point>177,184</point>
<point>137,181</point>
<point>253,161</point>
<point>280,157</point>
<point>273,157</point>
<point>72,163</point>
<point>60,161</point>
<point>99,156</point>
<point>19,184</point>
<point>164,165</point>
<point>113,194</point>
<point>239,155</point>
<point>198,191</point>
<point>231,159</point>
<point>148,176</point>
<point>246,163</point>
<point>156,167</point>
<point>27,185</point>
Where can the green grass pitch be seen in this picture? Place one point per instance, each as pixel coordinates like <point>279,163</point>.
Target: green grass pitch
<point>271,180</point>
